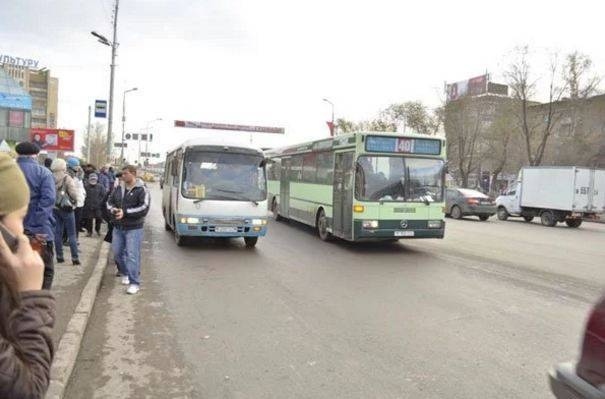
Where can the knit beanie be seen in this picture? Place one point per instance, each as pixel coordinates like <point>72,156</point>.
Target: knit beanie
<point>14,194</point>
<point>58,165</point>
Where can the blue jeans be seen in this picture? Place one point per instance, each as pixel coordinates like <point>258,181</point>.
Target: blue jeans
<point>67,221</point>
<point>126,245</point>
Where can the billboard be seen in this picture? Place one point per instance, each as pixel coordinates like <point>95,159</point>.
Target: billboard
<point>472,87</point>
<point>225,126</point>
<point>53,139</point>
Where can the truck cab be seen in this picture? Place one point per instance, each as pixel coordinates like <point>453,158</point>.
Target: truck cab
<point>509,203</point>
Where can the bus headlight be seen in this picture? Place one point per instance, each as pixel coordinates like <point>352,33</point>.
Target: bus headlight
<point>259,222</point>
<point>369,224</point>
<point>193,220</point>
<point>434,224</point>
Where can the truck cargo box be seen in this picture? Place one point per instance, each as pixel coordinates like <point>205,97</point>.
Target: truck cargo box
<point>563,188</point>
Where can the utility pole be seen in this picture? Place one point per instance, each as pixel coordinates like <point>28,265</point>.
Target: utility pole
<point>88,137</point>
<point>114,46</point>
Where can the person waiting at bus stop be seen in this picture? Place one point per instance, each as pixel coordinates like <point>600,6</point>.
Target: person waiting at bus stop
<point>129,204</point>
<point>93,205</point>
<point>39,222</point>
<point>27,312</point>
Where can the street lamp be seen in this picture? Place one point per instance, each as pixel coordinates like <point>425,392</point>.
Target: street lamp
<point>124,121</point>
<point>114,45</point>
<point>332,125</point>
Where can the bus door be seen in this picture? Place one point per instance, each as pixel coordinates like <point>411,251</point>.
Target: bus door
<point>284,187</point>
<point>342,225</point>
<point>175,186</point>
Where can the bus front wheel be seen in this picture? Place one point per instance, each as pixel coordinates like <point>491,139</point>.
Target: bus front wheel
<point>250,241</point>
<point>322,226</point>
<point>179,239</point>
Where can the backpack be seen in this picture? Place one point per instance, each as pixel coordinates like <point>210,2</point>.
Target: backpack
<point>63,201</point>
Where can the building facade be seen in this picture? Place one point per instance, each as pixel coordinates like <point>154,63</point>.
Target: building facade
<point>15,109</point>
<point>44,91</point>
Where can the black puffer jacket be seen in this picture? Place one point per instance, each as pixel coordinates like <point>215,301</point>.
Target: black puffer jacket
<point>134,203</point>
<point>93,205</point>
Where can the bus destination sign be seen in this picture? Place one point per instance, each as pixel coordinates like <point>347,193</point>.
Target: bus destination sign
<point>403,145</point>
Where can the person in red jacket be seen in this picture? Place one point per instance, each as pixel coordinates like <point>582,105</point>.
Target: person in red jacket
<point>27,313</point>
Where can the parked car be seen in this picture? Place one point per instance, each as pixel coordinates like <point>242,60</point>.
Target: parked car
<point>461,202</point>
<point>586,378</point>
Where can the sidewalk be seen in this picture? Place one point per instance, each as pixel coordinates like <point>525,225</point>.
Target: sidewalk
<point>70,280</point>
<point>75,289</point>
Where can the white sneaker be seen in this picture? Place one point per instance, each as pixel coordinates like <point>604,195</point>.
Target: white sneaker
<point>132,289</point>
<point>125,280</point>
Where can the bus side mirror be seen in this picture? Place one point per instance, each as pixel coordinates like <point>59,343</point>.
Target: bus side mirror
<point>446,168</point>
<point>264,162</point>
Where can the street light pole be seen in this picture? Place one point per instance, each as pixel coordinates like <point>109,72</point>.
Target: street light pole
<point>332,127</point>
<point>88,136</point>
<point>114,45</point>
<point>124,122</point>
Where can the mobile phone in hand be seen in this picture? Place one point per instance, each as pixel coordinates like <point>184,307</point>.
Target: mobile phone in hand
<point>9,238</point>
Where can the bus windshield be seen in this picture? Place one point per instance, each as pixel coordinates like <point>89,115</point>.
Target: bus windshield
<point>224,176</point>
<point>391,178</point>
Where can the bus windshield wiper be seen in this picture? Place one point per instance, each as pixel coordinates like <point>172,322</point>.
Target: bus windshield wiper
<point>238,194</point>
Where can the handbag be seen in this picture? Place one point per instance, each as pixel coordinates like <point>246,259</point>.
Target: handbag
<point>63,201</point>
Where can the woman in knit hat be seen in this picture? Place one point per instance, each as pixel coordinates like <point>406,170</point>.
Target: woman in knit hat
<point>64,212</point>
<point>27,313</point>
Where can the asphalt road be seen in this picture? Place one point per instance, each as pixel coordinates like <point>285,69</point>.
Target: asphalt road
<point>483,313</point>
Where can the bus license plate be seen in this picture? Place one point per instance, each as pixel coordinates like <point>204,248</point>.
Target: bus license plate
<point>226,229</point>
<point>405,233</point>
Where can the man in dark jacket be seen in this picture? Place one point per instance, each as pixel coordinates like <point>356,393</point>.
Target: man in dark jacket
<point>93,205</point>
<point>39,222</point>
<point>129,204</point>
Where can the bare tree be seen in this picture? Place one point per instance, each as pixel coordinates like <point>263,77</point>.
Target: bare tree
<point>536,122</point>
<point>98,149</point>
<point>578,140</point>
<point>498,138</point>
<point>465,123</point>
<point>577,73</point>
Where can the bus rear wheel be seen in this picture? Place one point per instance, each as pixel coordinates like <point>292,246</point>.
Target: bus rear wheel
<point>250,241</point>
<point>322,226</point>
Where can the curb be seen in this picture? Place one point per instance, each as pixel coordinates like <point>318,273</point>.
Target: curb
<point>69,346</point>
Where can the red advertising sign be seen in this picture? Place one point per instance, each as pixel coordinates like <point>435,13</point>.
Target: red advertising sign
<point>53,139</point>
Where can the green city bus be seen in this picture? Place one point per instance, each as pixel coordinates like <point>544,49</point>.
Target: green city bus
<point>361,186</point>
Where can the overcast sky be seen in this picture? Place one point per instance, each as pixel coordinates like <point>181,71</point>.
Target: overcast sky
<point>270,62</point>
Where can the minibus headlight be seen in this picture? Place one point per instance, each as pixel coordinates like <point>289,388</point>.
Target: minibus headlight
<point>259,222</point>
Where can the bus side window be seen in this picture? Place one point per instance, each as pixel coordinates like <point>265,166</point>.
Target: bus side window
<point>296,168</point>
<point>167,171</point>
<point>309,168</point>
<point>325,167</point>
<point>277,168</point>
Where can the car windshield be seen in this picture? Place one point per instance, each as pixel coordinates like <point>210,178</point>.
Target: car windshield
<point>390,178</point>
<point>224,176</point>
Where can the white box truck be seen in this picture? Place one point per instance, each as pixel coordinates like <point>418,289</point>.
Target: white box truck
<point>555,194</point>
